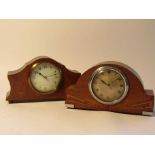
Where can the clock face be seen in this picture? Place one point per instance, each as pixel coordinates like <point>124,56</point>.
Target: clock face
<point>45,77</point>
<point>108,85</point>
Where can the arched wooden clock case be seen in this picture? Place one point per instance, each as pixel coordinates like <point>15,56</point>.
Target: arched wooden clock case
<point>21,88</point>
<point>136,101</point>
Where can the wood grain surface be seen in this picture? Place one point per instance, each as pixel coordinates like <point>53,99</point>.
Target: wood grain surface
<point>137,100</point>
<point>22,90</point>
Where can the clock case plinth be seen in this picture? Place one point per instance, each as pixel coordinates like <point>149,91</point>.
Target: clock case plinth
<point>22,91</point>
<point>137,101</point>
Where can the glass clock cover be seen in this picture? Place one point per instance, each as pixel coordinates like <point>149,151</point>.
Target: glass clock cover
<point>108,85</point>
<point>45,77</point>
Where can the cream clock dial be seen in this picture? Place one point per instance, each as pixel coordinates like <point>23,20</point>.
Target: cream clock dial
<point>45,77</point>
<point>108,85</point>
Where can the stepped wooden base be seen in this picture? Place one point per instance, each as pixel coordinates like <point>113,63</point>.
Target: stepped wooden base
<point>137,101</point>
<point>22,91</point>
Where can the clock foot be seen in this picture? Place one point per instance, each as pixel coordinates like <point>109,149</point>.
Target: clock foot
<point>146,113</point>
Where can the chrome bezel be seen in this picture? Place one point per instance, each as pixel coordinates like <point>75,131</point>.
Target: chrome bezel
<point>32,85</point>
<point>101,70</point>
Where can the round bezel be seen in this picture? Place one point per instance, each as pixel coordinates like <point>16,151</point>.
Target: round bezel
<point>101,70</point>
<point>32,85</point>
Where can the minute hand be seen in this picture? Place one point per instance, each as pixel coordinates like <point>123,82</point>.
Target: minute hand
<point>51,75</point>
<point>114,80</point>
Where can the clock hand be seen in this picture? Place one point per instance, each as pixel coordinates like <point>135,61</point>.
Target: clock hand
<point>104,82</point>
<point>42,75</point>
<point>114,80</point>
<point>107,84</point>
<point>51,75</point>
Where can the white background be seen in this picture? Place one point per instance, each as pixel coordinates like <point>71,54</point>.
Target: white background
<point>122,9</point>
<point>78,44</point>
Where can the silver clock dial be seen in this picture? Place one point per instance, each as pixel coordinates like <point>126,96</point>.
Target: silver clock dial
<point>45,77</point>
<point>108,85</point>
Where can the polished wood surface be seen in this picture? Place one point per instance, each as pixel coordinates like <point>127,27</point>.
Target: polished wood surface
<point>22,91</point>
<point>137,100</point>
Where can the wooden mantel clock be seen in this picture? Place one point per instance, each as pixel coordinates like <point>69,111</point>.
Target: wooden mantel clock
<point>111,86</point>
<point>41,79</point>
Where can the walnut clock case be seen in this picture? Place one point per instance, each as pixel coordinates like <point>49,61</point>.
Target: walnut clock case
<point>111,86</point>
<point>41,79</point>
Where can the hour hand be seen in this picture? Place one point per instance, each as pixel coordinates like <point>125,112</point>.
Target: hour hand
<point>104,82</point>
<point>42,75</point>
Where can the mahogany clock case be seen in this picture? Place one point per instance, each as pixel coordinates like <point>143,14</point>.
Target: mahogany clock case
<point>137,100</point>
<point>22,91</point>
